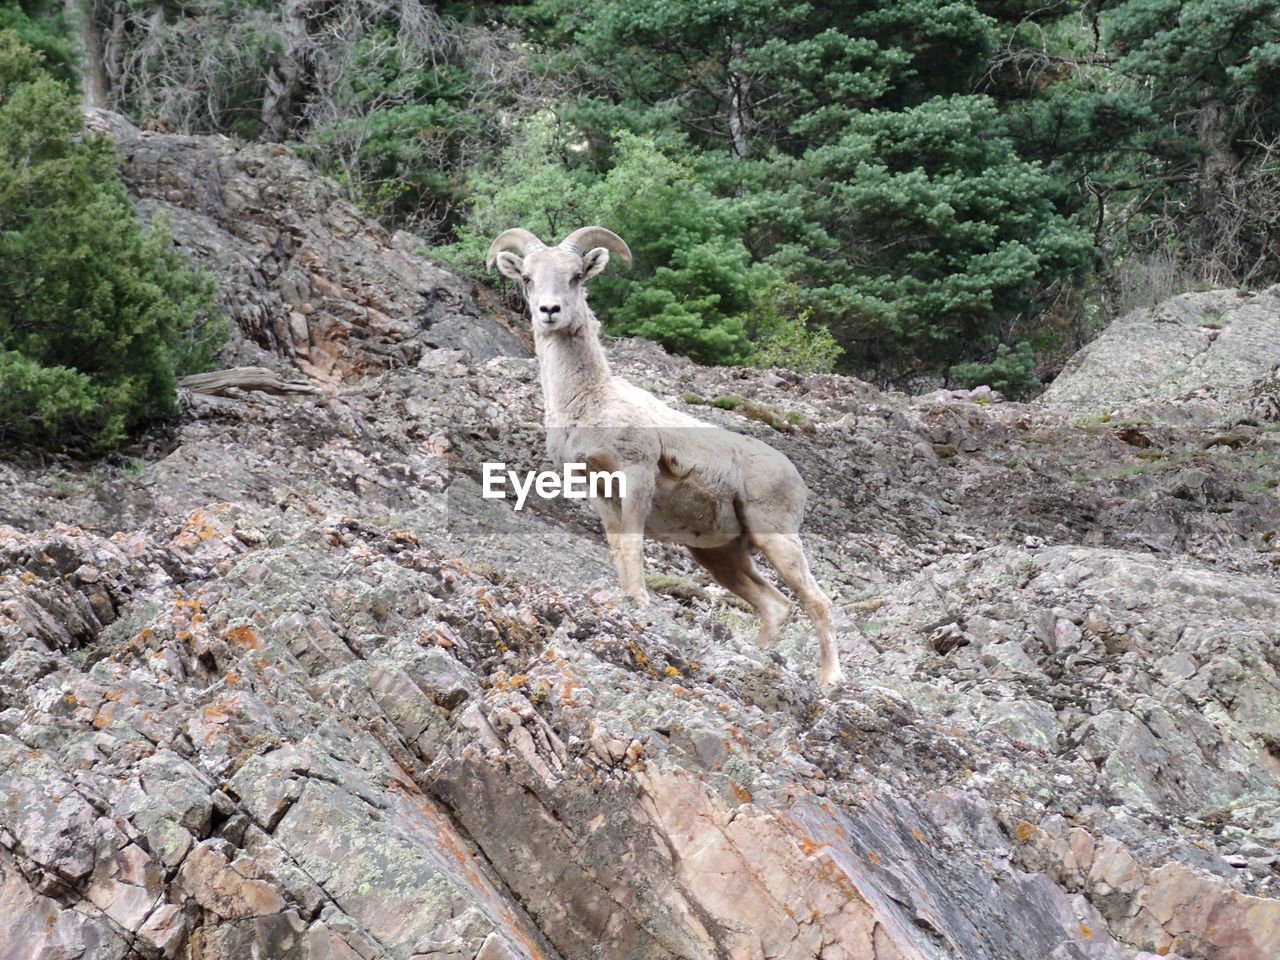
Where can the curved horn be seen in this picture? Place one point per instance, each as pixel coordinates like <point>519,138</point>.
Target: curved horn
<point>584,238</point>
<point>517,238</point>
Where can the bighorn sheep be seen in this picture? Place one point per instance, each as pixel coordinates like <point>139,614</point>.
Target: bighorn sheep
<point>718,493</point>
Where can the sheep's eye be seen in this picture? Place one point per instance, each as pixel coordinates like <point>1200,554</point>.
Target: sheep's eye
<point>576,279</point>
<point>527,279</point>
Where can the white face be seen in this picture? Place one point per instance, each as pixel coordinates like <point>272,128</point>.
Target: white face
<point>554,282</point>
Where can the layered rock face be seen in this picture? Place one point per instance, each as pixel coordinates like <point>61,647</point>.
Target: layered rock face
<point>279,683</point>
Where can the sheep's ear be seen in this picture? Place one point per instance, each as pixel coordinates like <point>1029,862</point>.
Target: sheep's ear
<point>594,261</point>
<point>509,265</point>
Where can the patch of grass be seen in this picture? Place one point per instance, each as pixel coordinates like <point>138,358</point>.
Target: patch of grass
<point>1116,473</point>
<point>798,419</point>
<point>733,612</point>
<point>677,587</point>
<point>781,420</point>
<point>694,399</point>
<point>1260,486</point>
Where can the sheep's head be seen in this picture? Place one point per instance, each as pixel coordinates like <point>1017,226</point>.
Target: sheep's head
<point>554,279</point>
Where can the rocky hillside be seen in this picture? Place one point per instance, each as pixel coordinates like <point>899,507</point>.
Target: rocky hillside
<point>277,683</point>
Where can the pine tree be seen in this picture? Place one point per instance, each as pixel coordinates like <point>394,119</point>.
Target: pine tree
<point>98,314</point>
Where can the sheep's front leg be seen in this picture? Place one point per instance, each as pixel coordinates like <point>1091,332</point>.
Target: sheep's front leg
<point>624,518</point>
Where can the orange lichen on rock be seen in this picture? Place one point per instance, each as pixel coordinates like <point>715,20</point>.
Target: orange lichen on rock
<point>243,636</point>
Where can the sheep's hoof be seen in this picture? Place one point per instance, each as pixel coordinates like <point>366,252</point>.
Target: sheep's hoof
<point>830,680</point>
<point>766,641</point>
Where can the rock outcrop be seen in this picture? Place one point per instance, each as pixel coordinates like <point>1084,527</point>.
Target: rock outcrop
<point>1204,356</point>
<point>277,682</point>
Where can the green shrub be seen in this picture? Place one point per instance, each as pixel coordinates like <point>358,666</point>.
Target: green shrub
<point>98,313</point>
<point>783,338</point>
<point>1011,371</point>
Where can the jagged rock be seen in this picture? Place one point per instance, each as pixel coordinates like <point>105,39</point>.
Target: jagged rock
<point>279,682</point>
<point>301,272</point>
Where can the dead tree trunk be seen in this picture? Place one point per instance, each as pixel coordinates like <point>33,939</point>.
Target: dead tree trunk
<point>82,16</point>
<point>285,79</point>
<point>739,91</point>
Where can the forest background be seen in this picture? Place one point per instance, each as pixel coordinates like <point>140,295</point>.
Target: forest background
<point>917,192</point>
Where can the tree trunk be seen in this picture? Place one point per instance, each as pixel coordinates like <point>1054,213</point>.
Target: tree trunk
<point>739,90</point>
<point>1212,130</point>
<point>82,15</point>
<point>284,80</point>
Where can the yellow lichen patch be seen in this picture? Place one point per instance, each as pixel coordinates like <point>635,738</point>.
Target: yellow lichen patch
<point>231,677</point>
<point>1086,931</point>
<point>244,636</point>
<point>919,837</point>
<point>740,793</point>
<point>873,856</point>
<point>671,671</point>
<point>28,577</point>
<point>809,845</point>
<point>1024,831</point>
<point>513,682</point>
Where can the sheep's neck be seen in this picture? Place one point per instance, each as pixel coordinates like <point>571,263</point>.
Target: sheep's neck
<point>573,369</point>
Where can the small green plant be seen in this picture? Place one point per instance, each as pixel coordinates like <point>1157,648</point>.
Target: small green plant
<point>784,338</point>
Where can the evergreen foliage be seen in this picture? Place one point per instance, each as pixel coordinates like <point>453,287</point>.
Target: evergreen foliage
<point>39,24</point>
<point>692,285</point>
<point>98,314</point>
<point>938,188</point>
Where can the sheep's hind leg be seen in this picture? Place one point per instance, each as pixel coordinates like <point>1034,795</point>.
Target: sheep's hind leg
<point>786,553</point>
<point>732,568</point>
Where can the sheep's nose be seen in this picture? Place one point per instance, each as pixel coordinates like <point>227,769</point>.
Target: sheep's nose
<point>550,309</point>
